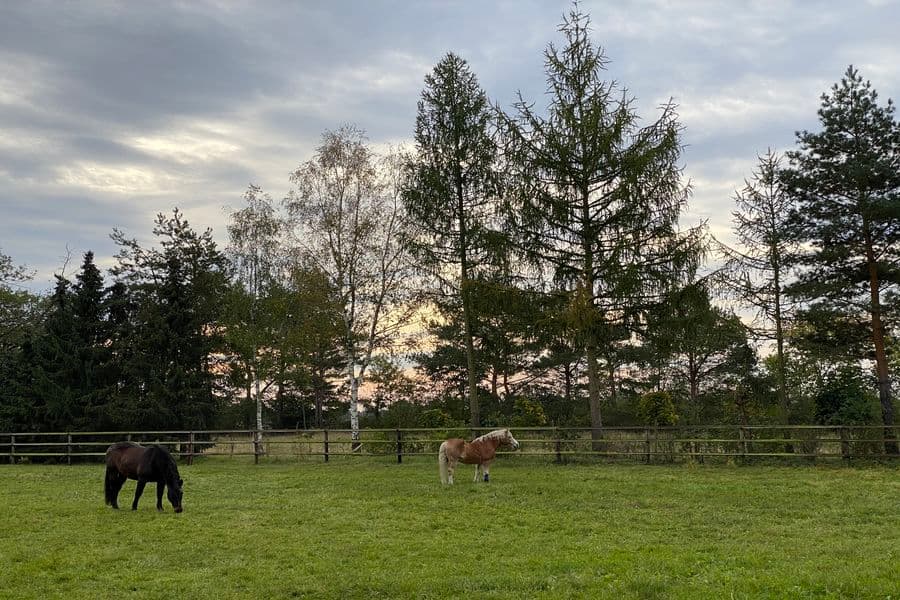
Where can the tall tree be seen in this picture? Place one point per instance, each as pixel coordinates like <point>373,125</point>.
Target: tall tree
<point>91,339</point>
<point>451,193</point>
<point>172,317</point>
<point>350,225</point>
<point>704,347</point>
<point>254,234</point>
<point>596,198</point>
<point>845,180</point>
<point>20,318</point>
<point>757,270</point>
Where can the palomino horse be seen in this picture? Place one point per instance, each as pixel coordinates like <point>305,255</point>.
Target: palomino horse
<point>125,460</point>
<point>479,452</point>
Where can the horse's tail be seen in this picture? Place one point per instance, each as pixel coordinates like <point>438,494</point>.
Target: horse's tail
<point>442,462</point>
<point>110,488</point>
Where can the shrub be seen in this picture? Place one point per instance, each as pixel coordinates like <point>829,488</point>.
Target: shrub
<point>528,413</point>
<point>657,409</point>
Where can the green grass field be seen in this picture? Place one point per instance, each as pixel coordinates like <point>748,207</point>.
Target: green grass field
<point>369,529</point>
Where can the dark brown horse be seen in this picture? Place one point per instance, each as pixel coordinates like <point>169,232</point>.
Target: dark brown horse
<point>125,460</point>
<point>479,452</point>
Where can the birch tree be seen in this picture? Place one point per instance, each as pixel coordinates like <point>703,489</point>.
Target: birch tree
<point>349,222</point>
<point>255,247</point>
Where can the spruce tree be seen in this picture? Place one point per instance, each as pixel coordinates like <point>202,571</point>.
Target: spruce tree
<point>451,194</point>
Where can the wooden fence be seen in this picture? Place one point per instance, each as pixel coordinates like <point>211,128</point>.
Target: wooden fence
<point>563,444</point>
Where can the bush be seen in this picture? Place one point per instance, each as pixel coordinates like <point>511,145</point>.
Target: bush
<point>657,409</point>
<point>845,399</point>
<point>527,413</point>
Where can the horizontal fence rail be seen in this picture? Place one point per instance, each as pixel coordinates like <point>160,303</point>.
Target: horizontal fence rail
<point>644,444</point>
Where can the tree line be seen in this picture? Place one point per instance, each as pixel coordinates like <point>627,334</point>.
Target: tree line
<point>518,265</point>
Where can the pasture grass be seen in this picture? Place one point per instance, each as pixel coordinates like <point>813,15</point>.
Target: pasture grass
<point>371,529</point>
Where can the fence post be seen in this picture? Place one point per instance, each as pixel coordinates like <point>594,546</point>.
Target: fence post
<point>190,460</point>
<point>326,445</point>
<point>12,448</point>
<point>256,437</point>
<point>743,444</point>
<point>69,448</point>
<point>845,444</point>
<point>399,447</point>
<point>558,445</point>
<point>647,445</point>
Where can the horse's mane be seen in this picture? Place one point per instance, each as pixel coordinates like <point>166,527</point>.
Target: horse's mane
<point>158,458</point>
<point>123,445</point>
<point>497,433</point>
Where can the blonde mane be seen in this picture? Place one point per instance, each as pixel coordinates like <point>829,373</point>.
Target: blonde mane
<point>497,433</point>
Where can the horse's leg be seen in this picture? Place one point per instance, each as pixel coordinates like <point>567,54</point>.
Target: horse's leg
<point>477,467</point>
<point>114,483</point>
<point>486,469</point>
<point>137,493</point>
<point>451,465</point>
<point>159,492</point>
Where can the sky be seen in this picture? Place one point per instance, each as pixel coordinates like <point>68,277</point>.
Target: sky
<point>112,112</point>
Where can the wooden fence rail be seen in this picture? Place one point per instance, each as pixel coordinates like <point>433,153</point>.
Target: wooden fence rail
<point>663,444</point>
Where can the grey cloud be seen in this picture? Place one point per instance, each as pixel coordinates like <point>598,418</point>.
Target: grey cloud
<point>113,111</point>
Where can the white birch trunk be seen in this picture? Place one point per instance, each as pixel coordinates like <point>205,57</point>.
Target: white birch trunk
<point>353,380</point>
<point>259,422</point>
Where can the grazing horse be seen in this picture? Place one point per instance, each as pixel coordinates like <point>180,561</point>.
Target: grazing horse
<point>125,460</point>
<point>479,452</point>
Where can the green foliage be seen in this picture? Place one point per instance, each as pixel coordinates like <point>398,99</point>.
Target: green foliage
<point>657,409</point>
<point>450,195</point>
<point>527,413</point>
<point>845,181</point>
<point>437,418</point>
<point>594,199</point>
<point>167,333</point>
<point>846,399</point>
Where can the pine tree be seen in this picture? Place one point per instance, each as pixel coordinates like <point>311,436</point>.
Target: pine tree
<point>845,180</point>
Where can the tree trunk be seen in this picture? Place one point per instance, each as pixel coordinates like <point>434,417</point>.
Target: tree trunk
<point>474,412</point>
<point>353,380</point>
<point>259,421</point>
<point>784,406</point>
<point>593,371</point>
<point>881,363</point>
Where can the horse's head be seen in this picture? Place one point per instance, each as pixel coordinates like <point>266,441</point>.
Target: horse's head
<point>175,493</point>
<point>509,440</point>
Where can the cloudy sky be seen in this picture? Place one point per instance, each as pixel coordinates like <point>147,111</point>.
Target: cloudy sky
<point>111,112</point>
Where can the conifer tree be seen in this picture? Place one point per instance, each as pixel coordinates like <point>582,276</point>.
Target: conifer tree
<point>595,198</point>
<point>451,194</point>
<point>845,181</point>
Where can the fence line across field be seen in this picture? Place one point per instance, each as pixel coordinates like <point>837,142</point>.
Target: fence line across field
<point>645,444</point>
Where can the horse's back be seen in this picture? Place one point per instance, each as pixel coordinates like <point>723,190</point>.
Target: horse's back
<point>477,452</point>
<point>126,457</point>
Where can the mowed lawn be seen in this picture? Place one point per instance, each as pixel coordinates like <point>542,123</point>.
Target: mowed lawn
<point>369,529</point>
